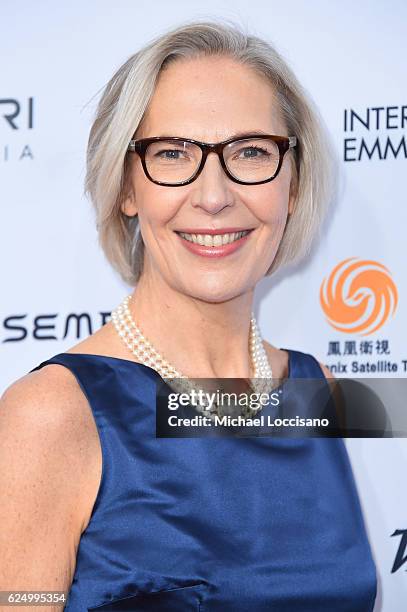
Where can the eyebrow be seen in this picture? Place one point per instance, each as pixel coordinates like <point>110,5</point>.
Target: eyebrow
<point>241,134</point>
<point>235,135</point>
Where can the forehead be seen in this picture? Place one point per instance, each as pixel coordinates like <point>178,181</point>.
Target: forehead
<point>211,99</point>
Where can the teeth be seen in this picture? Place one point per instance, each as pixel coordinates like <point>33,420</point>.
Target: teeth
<point>213,240</point>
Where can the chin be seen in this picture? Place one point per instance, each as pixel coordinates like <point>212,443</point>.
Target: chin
<point>212,292</point>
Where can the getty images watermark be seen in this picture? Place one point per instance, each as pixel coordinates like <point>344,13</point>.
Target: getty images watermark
<point>317,407</point>
<point>230,407</point>
<point>209,402</point>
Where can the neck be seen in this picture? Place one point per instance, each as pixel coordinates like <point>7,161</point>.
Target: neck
<point>198,338</point>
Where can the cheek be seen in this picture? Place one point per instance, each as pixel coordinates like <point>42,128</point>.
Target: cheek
<point>271,205</point>
<point>149,200</point>
<point>155,205</point>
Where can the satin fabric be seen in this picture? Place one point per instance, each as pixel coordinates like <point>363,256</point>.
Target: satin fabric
<point>219,525</point>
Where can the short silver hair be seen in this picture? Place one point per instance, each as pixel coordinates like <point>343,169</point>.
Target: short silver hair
<point>122,106</point>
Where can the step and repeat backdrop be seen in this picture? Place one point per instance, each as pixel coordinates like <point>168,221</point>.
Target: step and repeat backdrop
<point>346,304</point>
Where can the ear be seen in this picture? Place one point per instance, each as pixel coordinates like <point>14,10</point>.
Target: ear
<point>128,205</point>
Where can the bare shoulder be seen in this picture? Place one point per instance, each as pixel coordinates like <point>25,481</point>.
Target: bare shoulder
<point>50,397</point>
<point>49,412</point>
<point>47,462</point>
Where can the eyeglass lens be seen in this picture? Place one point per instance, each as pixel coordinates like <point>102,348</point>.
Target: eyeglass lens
<point>248,160</point>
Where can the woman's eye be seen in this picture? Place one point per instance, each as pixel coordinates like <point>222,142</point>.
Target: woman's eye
<point>169,154</point>
<point>252,152</point>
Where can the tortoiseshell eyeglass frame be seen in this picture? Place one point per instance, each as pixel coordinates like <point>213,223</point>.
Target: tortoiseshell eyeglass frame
<point>140,146</point>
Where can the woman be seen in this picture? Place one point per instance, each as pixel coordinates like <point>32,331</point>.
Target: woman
<point>120,518</point>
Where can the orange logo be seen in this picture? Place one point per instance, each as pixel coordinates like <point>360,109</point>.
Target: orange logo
<point>358,296</point>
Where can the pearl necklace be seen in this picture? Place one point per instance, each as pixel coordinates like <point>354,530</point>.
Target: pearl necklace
<point>144,351</point>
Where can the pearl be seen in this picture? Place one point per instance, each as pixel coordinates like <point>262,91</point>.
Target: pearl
<point>144,352</point>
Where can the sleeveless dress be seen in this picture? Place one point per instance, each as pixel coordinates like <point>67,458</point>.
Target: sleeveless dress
<point>214,525</point>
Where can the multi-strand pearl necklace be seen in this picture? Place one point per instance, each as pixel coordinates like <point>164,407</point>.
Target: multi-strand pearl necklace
<point>145,352</point>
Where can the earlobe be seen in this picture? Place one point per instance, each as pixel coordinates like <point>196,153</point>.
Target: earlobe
<point>128,204</point>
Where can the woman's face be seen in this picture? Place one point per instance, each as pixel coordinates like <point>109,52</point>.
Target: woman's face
<point>210,99</point>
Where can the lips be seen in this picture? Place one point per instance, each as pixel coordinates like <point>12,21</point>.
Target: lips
<point>212,240</point>
<point>214,243</point>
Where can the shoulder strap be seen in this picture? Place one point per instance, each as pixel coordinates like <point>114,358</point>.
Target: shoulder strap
<point>304,365</point>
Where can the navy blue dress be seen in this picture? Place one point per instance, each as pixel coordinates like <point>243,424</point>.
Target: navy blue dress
<point>214,525</point>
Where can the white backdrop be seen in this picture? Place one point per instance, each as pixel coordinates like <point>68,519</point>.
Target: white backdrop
<point>351,58</point>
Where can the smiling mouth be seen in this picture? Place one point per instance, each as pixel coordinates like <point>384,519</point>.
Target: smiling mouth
<point>214,240</point>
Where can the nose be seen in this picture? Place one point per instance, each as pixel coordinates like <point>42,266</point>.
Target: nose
<point>212,187</point>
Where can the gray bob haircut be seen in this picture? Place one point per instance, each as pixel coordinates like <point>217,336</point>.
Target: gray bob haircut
<point>121,109</point>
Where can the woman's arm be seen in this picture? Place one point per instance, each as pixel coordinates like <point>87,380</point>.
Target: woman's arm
<point>48,460</point>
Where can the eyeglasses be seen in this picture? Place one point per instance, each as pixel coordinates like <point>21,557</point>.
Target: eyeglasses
<point>248,160</point>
